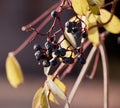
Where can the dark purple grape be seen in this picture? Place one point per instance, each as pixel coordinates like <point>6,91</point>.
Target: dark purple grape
<point>54,62</point>
<point>84,34</point>
<point>81,59</point>
<point>54,13</point>
<point>36,47</point>
<point>75,29</point>
<point>46,63</point>
<point>62,51</point>
<point>77,34</point>
<point>48,45</point>
<point>71,60</point>
<point>56,52</point>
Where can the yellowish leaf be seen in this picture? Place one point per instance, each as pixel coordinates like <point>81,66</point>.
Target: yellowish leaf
<point>70,38</point>
<point>46,70</point>
<point>55,89</point>
<point>52,98</point>
<point>36,98</point>
<point>74,18</point>
<point>40,99</point>
<point>93,34</point>
<point>80,6</point>
<point>100,2</point>
<point>94,7</point>
<point>59,83</point>
<point>50,95</point>
<point>44,100</point>
<point>114,25</point>
<point>13,71</point>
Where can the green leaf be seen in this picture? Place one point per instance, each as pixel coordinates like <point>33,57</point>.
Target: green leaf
<point>14,71</point>
<point>114,25</point>
<point>94,7</point>
<point>80,6</point>
<point>55,89</point>
<point>93,34</point>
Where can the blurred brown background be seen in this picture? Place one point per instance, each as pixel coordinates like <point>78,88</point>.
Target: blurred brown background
<point>16,13</point>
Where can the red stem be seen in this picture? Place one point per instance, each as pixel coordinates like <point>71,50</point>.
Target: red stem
<point>32,36</point>
<point>94,65</point>
<point>44,14</point>
<point>70,67</point>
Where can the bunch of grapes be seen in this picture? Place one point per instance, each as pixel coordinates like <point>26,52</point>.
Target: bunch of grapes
<point>53,51</point>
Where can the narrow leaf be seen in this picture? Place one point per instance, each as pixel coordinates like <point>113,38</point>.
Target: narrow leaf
<point>44,100</point>
<point>55,89</point>
<point>53,99</point>
<point>114,25</point>
<point>13,71</point>
<point>50,95</point>
<point>70,38</point>
<point>59,83</point>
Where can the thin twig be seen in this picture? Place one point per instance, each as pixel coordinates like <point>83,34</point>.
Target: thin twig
<point>44,14</point>
<point>81,75</point>
<point>59,69</point>
<point>105,75</point>
<point>107,4</point>
<point>68,69</point>
<point>32,36</point>
<point>94,66</point>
